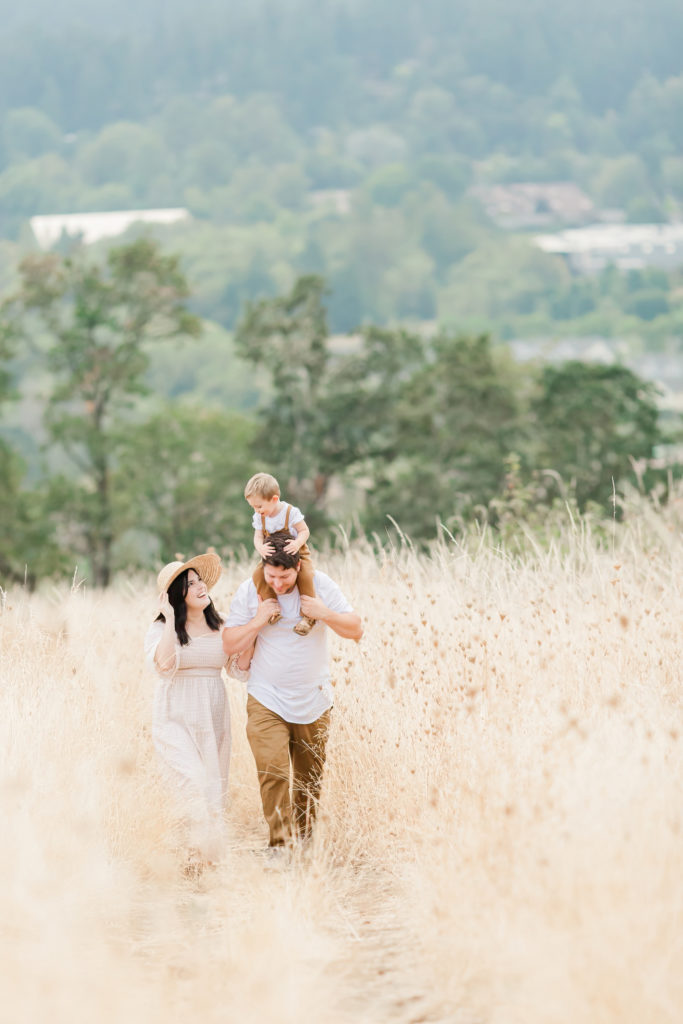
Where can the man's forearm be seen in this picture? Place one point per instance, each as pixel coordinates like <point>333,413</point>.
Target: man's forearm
<point>237,638</point>
<point>347,625</point>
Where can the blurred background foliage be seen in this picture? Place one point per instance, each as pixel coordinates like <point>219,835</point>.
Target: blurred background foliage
<point>396,427</point>
<point>346,295</point>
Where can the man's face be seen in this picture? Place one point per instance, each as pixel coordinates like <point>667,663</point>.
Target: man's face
<point>280,579</point>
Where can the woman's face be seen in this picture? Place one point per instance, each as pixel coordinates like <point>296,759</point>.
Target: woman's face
<point>197,596</point>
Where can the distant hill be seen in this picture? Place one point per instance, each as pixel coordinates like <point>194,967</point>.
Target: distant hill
<point>121,60</point>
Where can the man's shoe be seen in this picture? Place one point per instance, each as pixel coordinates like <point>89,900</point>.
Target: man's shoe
<point>194,866</point>
<point>304,626</point>
<point>277,857</point>
<point>274,618</point>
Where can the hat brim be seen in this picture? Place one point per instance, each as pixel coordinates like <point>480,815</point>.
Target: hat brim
<point>208,568</point>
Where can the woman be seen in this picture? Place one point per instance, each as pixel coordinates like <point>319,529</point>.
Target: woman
<point>191,719</point>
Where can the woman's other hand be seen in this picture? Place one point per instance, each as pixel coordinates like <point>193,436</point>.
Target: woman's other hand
<point>166,608</point>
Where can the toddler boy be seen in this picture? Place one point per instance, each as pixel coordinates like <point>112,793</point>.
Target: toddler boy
<point>271,514</point>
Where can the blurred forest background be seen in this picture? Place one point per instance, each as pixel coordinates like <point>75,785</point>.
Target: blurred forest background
<point>358,300</point>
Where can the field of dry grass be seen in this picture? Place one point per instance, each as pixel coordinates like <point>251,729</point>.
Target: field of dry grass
<point>500,835</point>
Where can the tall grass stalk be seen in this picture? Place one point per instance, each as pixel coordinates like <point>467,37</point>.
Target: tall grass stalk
<point>500,831</point>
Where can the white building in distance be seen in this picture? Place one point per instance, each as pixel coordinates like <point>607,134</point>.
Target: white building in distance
<point>91,227</point>
<point>626,246</point>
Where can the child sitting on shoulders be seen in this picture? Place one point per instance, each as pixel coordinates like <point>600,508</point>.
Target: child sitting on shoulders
<point>270,515</point>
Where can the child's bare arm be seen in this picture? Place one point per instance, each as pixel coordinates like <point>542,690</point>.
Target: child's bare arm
<point>262,548</point>
<point>302,535</point>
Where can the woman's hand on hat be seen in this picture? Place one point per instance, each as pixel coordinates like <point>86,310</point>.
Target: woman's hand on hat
<point>166,608</point>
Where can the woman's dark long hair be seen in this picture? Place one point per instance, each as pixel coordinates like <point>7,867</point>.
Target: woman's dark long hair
<point>177,593</point>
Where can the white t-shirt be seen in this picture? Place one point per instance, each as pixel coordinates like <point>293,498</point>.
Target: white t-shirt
<point>277,522</point>
<point>289,673</point>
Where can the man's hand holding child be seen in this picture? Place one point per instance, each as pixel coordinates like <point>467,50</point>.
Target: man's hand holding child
<point>265,609</point>
<point>314,608</point>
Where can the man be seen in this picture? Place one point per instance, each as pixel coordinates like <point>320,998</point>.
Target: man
<point>289,696</point>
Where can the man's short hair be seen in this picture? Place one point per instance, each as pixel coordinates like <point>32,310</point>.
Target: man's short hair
<point>285,559</point>
<point>262,485</point>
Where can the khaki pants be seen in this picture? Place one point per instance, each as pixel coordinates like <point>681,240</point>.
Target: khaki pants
<point>275,745</point>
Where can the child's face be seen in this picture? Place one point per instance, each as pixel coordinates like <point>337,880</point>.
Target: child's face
<point>264,506</point>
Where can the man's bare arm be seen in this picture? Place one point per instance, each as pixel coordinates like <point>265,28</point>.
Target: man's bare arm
<point>238,638</point>
<point>345,624</point>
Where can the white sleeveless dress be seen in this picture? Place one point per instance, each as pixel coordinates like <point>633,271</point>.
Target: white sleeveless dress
<point>191,732</point>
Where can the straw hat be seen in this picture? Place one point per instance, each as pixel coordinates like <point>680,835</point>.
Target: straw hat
<point>208,568</point>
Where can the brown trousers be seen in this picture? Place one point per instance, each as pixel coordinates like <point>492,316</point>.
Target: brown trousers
<point>276,745</point>
<point>304,581</point>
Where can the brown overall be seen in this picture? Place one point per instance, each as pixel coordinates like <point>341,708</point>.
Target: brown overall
<point>305,580</point>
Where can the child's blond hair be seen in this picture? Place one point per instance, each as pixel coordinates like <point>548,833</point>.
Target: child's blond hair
<point>262,485</point>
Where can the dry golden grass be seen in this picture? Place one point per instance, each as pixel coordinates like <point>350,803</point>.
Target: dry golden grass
<point>500,832</point>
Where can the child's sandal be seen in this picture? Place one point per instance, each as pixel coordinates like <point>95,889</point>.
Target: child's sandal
<point>304,626</point>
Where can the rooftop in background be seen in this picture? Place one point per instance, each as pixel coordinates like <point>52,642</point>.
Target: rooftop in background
<point>626,246</point>
<point>535,204</point>
<point>91,227</point>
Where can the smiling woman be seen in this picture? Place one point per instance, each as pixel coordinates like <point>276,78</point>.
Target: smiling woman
<point>191,720</point>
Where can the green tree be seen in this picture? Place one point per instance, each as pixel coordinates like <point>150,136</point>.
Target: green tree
<point>288,336</point>
<point>124,153</point>
<point>672,101</point>
<point>574,299</point>
<point>450,173</point>
<point>422,428</point>
<point>27,550</point>
<point>448,231</point>
<point>98,321</point>
<point>621,180</point>
<point>29,133</point>
<point>455,419</point>
<point>180,479</point>
<point>9,480</point>
<point>326,413</point>
<point>254,128</point>
<point>592,420</point>
<point>672,175</point>
<point>388,184</point>
<point>35,186</point>
<point>647,303</point>
<point>499,278</point>
<point>363,394</point>
<point>644,210</point>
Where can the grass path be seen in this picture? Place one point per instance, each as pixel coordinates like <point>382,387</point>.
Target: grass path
<point>500,832</point>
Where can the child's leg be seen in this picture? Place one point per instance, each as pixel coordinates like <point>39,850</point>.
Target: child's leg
<point>306,587</point>
<point>262,588</point>
<point>264,591</point>
<point>305,580</point>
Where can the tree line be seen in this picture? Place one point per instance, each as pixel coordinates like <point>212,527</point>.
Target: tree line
<point>393,427</point>
<point>248,116</point>
<point>410,240</point>
<point>323,57</point>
